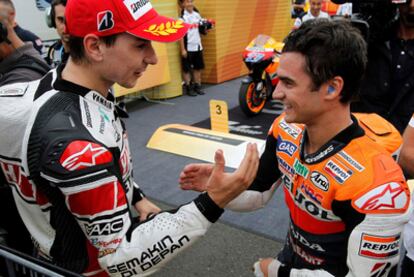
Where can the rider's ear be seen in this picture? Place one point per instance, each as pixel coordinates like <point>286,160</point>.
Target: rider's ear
<point>334,87</point>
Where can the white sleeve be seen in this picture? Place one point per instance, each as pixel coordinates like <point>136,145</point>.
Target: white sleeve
<point>375,244</point>
<point>152,244</point>
<point>251,200</point>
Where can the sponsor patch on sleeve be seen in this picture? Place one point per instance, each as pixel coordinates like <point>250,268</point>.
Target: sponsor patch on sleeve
<point>377,247</point>
<point>83,154</point>
<point>387,197</point>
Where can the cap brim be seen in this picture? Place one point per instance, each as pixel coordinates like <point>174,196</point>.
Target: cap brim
<point>161,29</point>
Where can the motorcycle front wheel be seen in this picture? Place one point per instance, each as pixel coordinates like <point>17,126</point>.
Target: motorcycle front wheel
<point>251,102</point>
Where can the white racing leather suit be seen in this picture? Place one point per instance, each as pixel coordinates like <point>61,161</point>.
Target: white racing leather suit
<point>64,151</point>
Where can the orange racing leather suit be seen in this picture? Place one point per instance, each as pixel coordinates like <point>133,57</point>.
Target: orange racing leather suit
<point>348,202</point>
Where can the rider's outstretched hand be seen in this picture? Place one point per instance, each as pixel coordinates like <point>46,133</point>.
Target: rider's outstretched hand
<point>195,176</point>
<point>222,187</point>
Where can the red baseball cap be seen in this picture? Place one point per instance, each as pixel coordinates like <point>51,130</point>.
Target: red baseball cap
<point>108,17</point>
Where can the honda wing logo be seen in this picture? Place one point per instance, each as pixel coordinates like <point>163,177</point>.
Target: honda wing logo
<point>105,21</point>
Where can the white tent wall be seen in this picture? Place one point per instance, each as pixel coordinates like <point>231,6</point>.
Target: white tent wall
<point>30,17</point>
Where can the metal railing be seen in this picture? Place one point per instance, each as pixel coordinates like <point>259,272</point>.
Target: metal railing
<point>18,264</point>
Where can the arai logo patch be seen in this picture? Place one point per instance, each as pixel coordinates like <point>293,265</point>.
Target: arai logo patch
<point>319,180</point>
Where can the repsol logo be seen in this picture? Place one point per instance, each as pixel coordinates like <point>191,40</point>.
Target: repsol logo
<point>337,172</point>
<point>137,5</point>
<point>379,247</point>
<point>313,209</point>
<point>150,257</point>
<point>286,146</point>
<point>319,180</point>
<point>287,182</point>
<point>104,228</point>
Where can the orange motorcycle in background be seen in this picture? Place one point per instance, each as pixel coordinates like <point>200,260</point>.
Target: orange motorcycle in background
<point>261,57</point>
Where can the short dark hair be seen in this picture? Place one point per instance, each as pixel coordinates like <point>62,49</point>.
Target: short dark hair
<point>55,3</point>
<point>58,2</point>
<point>9,3</point>
<point>77,51</point>
<point>331,48</point>
<point>52,10</point>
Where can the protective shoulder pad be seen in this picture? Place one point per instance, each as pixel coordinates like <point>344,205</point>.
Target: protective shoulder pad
<point>59,145</point>
<point>389,192</point>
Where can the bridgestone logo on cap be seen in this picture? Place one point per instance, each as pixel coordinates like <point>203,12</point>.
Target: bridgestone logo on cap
<point>138,8</point>
<point>105,21</point>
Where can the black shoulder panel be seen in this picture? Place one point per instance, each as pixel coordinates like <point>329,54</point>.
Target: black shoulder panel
<point>50,128</point>
<point>44,85</point>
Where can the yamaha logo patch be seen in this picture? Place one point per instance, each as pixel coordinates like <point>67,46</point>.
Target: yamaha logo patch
<point>105,21</point>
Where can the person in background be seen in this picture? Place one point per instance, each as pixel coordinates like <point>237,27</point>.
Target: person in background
<point>313,13</point>
<point>338,183</point>
<point>191,49</point>
<point>7,8</point>
<point>59,51</point>
<point>406,159</point>
<point>298,8</point>
<point>388,86</point>
<point>19,62</point>
<point>407,163</point>
<point>69,140</point>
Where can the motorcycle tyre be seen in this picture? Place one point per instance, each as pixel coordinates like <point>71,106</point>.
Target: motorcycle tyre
<point>245,90</point>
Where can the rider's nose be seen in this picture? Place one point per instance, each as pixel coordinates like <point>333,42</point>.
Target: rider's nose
<point>277,93</point>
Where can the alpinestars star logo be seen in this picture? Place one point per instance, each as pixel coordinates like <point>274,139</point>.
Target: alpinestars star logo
<point>82,154</point>
<point>383,200</point>
<point>388,196</point>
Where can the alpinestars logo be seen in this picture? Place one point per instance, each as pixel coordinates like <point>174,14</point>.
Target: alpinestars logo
<point>105,21</point>
<point>83,154</point>
<point>385,197</point>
